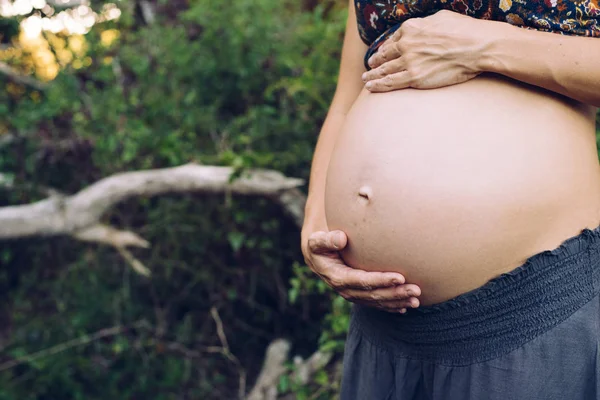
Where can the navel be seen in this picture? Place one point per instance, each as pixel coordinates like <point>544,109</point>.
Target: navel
<point>365,193</point>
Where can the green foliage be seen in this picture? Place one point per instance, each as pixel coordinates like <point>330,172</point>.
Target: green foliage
<point>245,85</point>
<point>9,28</point>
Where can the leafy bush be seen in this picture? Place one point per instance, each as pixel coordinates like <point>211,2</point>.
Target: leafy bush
<point>246,85</point>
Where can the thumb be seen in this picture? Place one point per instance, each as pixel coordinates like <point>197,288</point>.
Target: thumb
<point>339,240</point>
<point>327,242</point>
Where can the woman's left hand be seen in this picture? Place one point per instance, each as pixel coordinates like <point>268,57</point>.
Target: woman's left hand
<point>439,50</point>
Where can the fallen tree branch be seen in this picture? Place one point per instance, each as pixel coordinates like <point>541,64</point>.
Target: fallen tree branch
<point>293,201</point>
<point>304,369</point>
<point>82,211</point>
<point>79,215</point>
<point>274,367</point>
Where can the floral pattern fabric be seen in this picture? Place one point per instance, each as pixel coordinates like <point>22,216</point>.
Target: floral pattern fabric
<point>378,19</point>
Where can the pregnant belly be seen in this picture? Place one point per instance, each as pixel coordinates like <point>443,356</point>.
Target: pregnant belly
<point>453,186</point>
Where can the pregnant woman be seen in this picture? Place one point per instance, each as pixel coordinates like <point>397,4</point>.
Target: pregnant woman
<point>456,176</point>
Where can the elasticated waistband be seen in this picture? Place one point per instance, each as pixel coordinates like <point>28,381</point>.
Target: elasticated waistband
<point>498,317</point>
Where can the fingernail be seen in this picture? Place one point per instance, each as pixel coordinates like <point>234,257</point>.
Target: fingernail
<point>364,76</point>
<point>403,311</point>
<point>337,240</point>
<point>370,61</point>
<point>369,85</point>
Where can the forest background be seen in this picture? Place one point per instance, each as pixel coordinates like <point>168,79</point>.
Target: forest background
<point>187,283</point>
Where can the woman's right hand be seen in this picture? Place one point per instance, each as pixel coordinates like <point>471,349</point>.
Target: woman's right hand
<point>383,290</point>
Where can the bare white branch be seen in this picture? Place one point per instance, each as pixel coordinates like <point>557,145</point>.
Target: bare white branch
<point>306,368</point>
<point>16,77</point>
<point>79,215</point>
<point>67,3</point>
<point>147,12</point>
<point>273,368</point>
<point>108,235</point>
<point>133,262</point>
<point>293,201</point>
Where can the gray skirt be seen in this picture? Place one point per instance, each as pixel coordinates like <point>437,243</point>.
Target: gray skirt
<point>530,334</point>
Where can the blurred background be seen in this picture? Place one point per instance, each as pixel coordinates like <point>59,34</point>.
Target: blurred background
<point>90,89</point>
<point>195,289</point>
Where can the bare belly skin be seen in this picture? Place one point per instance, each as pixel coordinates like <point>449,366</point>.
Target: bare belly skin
<point>454,186</point>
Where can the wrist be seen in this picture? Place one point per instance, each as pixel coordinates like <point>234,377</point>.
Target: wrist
<point>315,207</point>
<point>313,224</point>
<point>314,221</point>
<point>495,36</point>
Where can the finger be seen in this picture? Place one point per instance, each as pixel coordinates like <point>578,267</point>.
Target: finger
<point>327,242</point>
<point>394,307</point>
<point>388,51</point>
<point>411,302</point>
<point>399,80</point>
<point>395,293</point>
<point>343,277</point>
<point>394,37</point>
<point>388,68</point>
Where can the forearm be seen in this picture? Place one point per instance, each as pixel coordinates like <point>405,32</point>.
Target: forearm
<point>568,65</point>
<point>348,88</point>
<point>315,204</point>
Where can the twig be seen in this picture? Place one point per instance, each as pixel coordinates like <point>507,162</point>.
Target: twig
<point>118,71</point>
<point>147,12</point>
<point>212,349</point>
<point>80,341</point>
<point>228,354</point>
<point>106,234</point>
<point>220,330</point>
<point>13,75</point>
<point>318,392</point>
<point>133,262</point>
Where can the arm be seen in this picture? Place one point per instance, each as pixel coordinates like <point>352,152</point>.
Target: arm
<point>569,65</point>
<point>384,290</point>
<point>348,87</point>
<point>447,48</point>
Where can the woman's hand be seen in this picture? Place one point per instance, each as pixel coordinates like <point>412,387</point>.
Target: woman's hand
<point>383,290</point>
<point>442,49</point>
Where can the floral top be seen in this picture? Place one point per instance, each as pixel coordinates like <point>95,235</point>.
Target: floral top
<point>378,19</point>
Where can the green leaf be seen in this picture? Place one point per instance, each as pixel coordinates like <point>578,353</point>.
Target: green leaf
<point>284,383</point>
<point>236,240</point>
